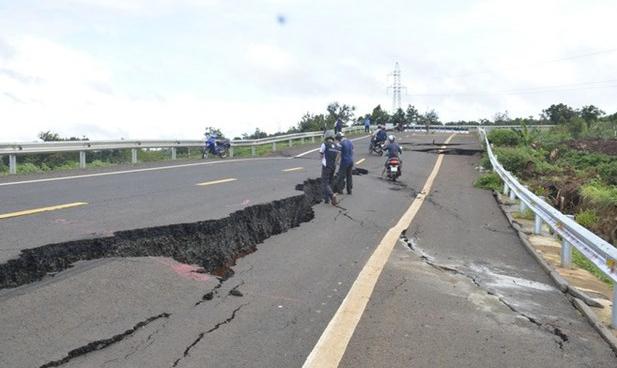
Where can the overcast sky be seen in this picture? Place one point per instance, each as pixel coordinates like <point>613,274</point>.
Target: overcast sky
<point>166,69</point>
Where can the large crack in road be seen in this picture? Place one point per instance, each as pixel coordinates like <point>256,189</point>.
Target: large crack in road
<point>547,327</point>
<point>214,244</point>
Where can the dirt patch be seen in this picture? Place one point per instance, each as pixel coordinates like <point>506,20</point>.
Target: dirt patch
<point>606,146</point>
<point>214,244</point>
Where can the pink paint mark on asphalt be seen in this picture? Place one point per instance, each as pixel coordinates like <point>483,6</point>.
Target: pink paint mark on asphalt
<point>192,272</point>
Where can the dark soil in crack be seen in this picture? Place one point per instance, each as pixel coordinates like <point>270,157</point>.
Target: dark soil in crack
<point>214,244</point>
<point>101,344</point>
<point>451,151</point>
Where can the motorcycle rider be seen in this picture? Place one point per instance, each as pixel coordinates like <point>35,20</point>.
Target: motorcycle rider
<point>379,136</point>
<point>329,153</point>
<point>394,150</point>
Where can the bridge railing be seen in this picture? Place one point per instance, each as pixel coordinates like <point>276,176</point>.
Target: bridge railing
<point>22,148</point>
<point>602,254</point>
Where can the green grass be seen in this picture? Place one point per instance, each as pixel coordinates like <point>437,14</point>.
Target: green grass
<point>489,181</point>
<point>582,262</point>
<point>587,218</point>
<point>600,194</point>
<point>526,215</point>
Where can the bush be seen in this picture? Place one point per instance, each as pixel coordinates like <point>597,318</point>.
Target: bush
<point>504,137</point>
<point>608,172</point>
<point>514,159</point>
<point>489,181</point>
<point>587,218</point>
<point>599,194</point>
<point>583,160</point>
<point>28,168</point>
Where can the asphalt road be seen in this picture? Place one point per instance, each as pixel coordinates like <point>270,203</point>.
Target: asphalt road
<point>152,311</point>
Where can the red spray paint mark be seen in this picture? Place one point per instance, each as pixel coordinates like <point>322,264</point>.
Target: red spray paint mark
<point>192,272</point>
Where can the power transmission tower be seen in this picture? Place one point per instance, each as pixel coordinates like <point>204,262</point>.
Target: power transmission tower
<point>396,88</point>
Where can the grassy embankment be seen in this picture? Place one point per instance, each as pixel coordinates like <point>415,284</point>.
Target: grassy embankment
<point>576,176</point>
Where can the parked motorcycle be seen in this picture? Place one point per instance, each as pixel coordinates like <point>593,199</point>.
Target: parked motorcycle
<point>218,148</point>
<point>393,168</point>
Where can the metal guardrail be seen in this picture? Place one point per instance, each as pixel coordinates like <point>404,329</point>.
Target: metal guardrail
<point>602,254</point>
<point>15,149</point>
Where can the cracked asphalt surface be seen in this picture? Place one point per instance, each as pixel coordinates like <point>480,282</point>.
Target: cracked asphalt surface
<point>467,294</point>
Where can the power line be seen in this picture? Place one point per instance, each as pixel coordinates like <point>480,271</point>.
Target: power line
<point>538,63</point>
<point>610,83</point>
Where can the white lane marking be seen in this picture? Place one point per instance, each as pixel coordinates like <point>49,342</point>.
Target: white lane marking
<point>333,342</point>
<point>293,169</point>
<point>139,170</point>
<point>317,149</point>
<point>219,181</point>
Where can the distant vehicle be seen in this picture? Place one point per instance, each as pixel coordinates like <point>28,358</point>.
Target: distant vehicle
<point>393,168</point>
<point>216,147</point>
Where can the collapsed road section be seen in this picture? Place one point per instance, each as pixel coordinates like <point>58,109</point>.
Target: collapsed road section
<point>213,244</point>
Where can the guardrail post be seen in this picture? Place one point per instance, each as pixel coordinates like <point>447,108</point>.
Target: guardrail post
<point>290,142</point>
<point>512,195</point>
<point>12,164</point>
<point>566,251</point>
<point>522,207</point>
<point>188,152</point>
<point>231,151</point>
<point>82,159</point>
<point>614,311</point>
<point>133,155</point>
<point>313,139</point>
<point>537,224</point>
<point>173,153</point>
<point>252,150</point>
<point>505,189</point>
<point>273,146</point>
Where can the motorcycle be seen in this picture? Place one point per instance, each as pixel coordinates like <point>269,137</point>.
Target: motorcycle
<point>217,148</point>
<point>393,168</point>
<point>376,147</point>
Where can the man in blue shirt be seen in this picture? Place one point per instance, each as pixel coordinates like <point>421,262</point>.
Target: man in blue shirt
<point>344,171</point>
<point>338,127</point>
<point>328,152</point>
<point>367,124</point>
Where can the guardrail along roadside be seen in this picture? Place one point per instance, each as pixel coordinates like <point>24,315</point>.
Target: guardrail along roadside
<point>598,251</point>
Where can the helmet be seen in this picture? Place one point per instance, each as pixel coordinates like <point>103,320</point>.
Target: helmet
<point>339,136</point>
<point>391,138</point>
<point>329,134</point>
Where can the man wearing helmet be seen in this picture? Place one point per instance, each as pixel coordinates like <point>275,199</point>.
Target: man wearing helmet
<point>394,150</point>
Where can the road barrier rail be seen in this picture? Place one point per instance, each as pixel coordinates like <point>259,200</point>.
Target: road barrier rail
<point>23,148</point>
<point>601,253</point>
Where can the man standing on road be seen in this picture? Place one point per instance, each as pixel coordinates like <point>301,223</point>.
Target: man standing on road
<point>338,127</point>
<point>344,171</point>
<point>367,125</point>
<point>328,153</point>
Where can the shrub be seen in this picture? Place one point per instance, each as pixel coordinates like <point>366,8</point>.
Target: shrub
<point>608,172</point>
<point>28,168</point>
<point>587,218</point>
<point>599,194</point>
<point>489,181</point>
<point>514,159</point>
<point>504,137</point>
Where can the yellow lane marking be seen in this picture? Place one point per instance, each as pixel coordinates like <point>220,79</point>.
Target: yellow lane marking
<point>332,344</point>
<point>293,169</point>
<point>360,161</point>
<point>217,181</point>
<point>39,210</point>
